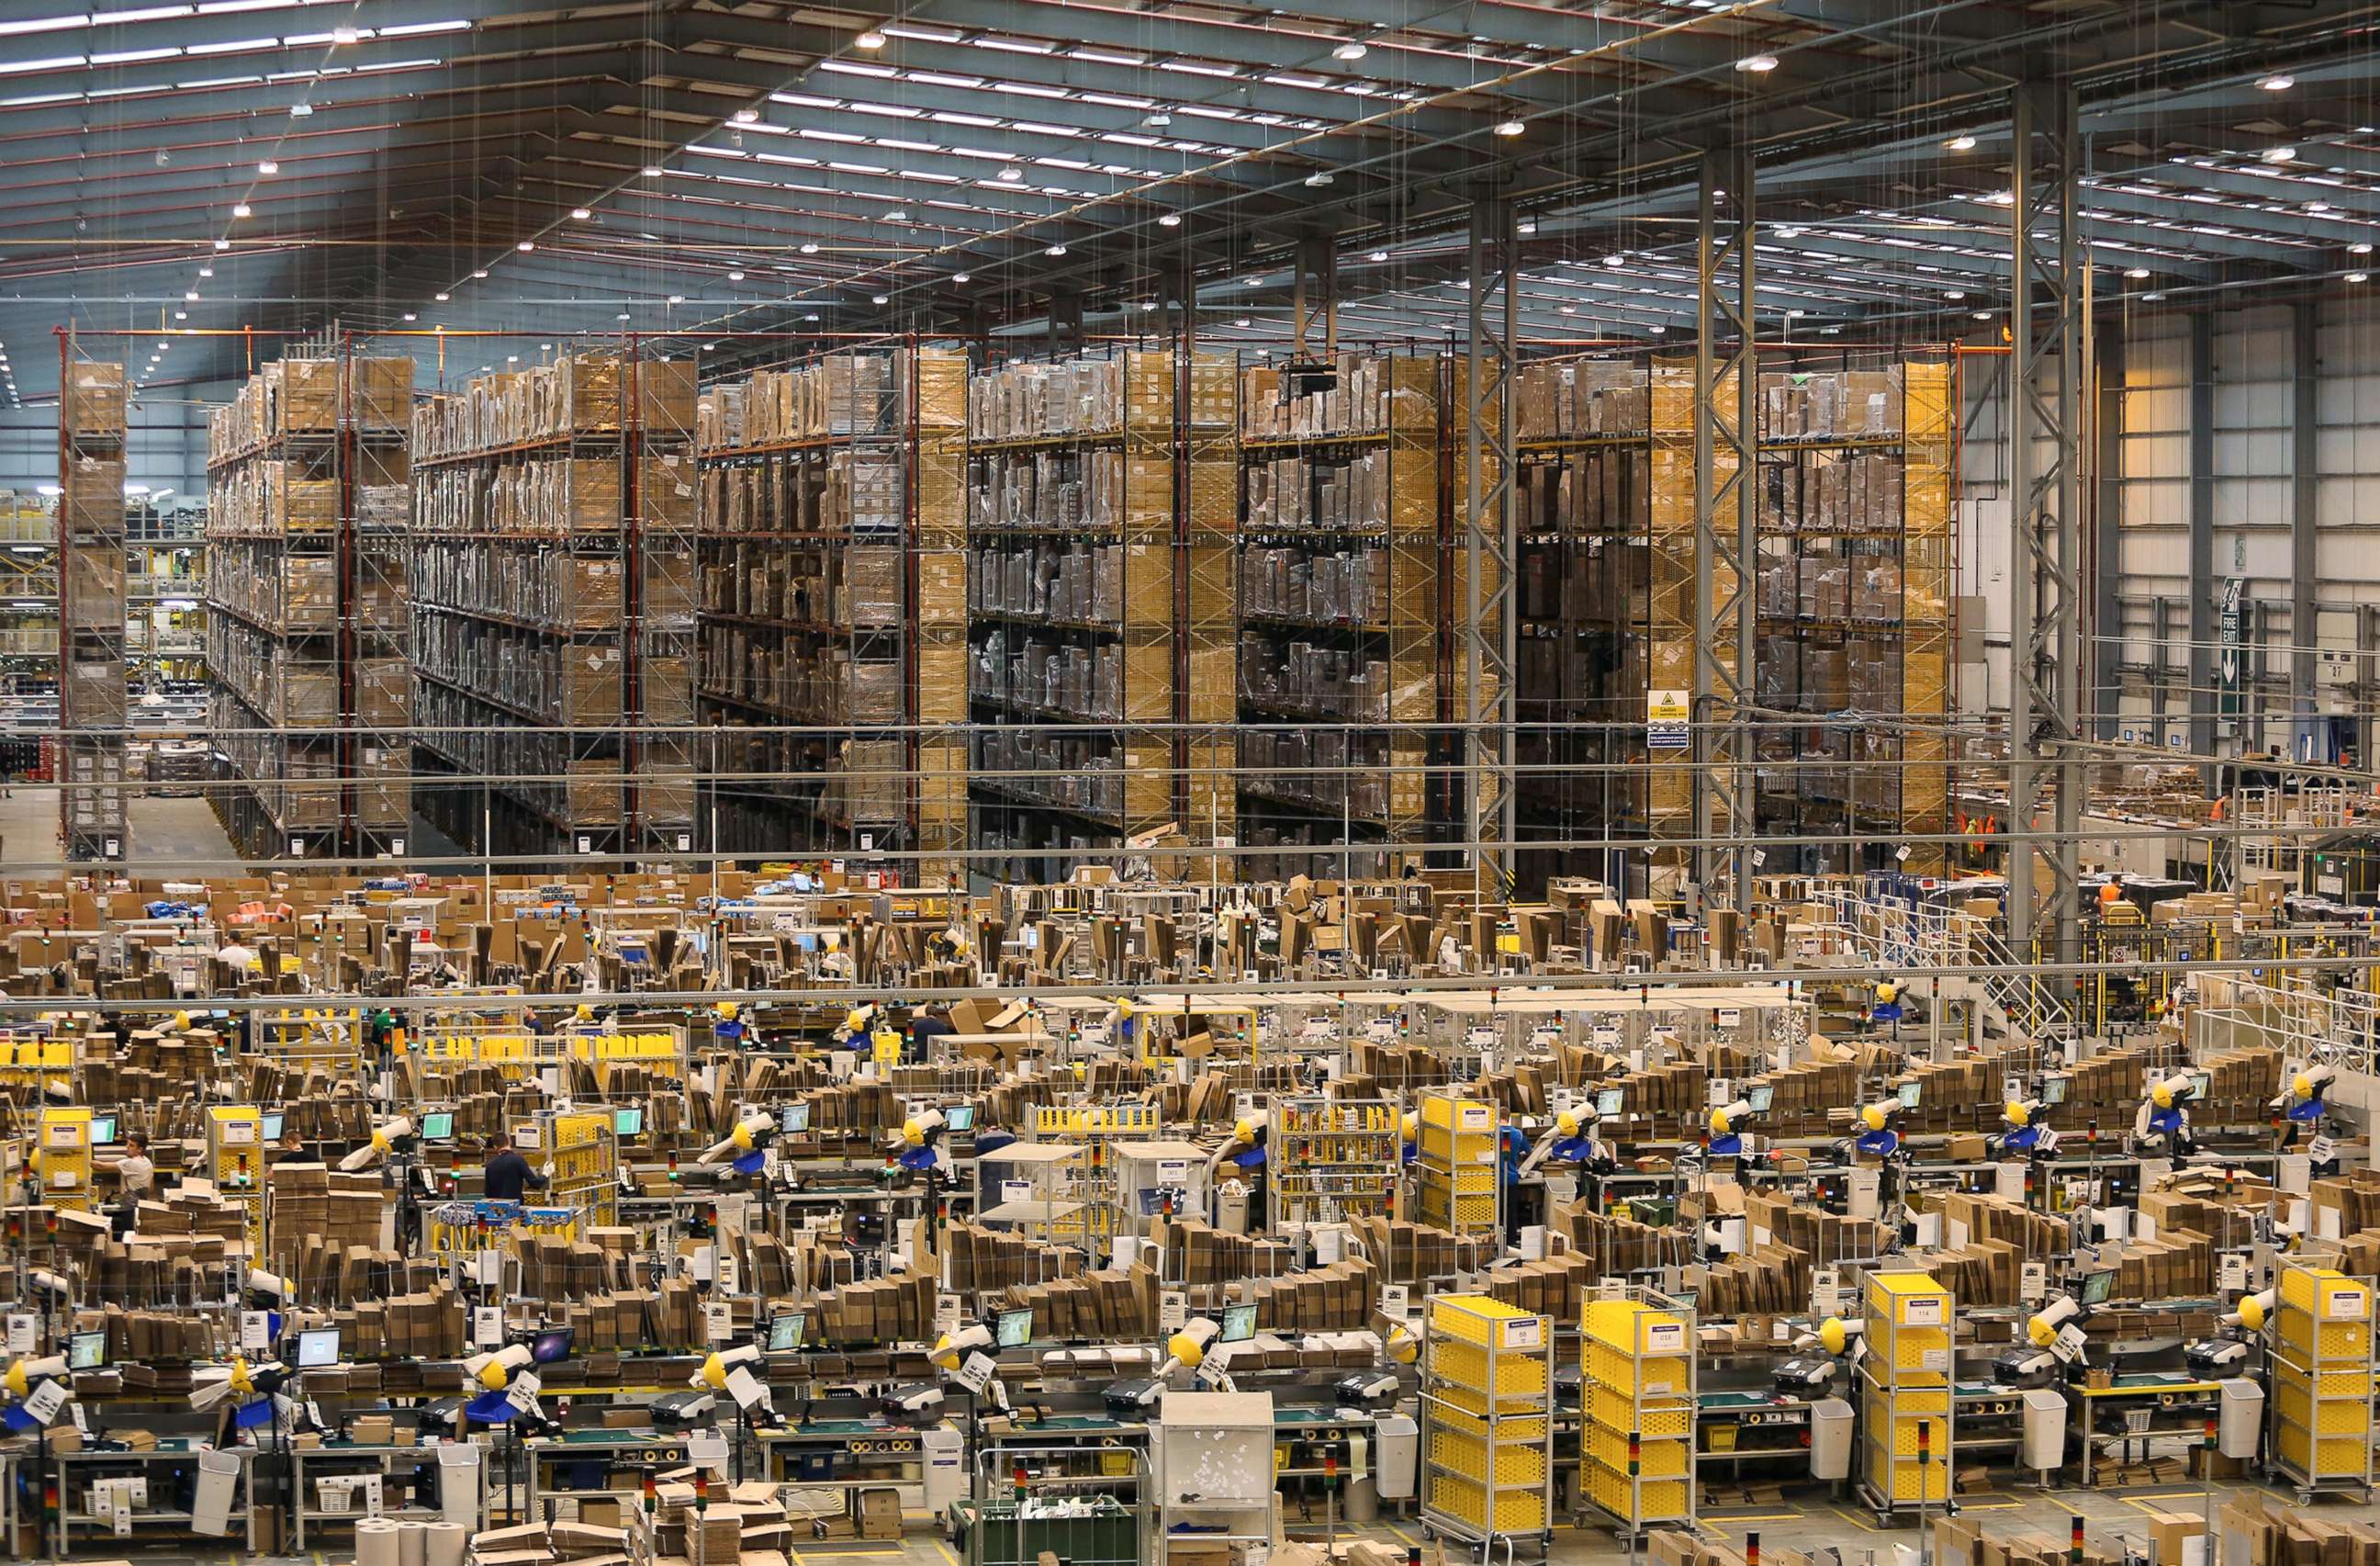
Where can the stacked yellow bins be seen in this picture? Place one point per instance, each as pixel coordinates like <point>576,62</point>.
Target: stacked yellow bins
<point>1488,1386</point>
<point>62,1157</point>
<point>1637,1443</point>
<point>1905,1391</point>
<point>585,1153</point>
<point>1458,1164</point>
<point>2321,1380</point>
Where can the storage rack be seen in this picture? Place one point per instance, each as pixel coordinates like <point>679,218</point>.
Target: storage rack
<point>830,598</point>
<point>1638,1387</point>
<point>29,631</point>
<point>165,585</point>
<point>91,727</point>
<point>1586,473</point>
<point>1072,541</point>
<point>585,1154</point>
<point>1853,582</point>
<point>1097,1131</point>
<point>1341,592</point>
<point>555,521</point>
<point>1458,1184</point>
<point>1905,1382</point>
<point>307,477</point>
<point>1334,1158</point>
<point>1486,1406</point>
<point>2320,1410</point>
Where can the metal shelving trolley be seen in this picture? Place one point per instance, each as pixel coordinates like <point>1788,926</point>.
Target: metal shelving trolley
<point>1338,1157</point>
<point>1457,1187</point>
<point>2321,1407</point>
<point>1905,1393</point>
<point>1487,1423</point>
<point>1637,1432</point>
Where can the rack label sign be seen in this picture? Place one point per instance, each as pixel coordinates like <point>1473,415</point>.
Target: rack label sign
<point>1666,1338</point>
<point>1666,720</point>
<point>1524,1332</point>
<point>1925,1310</point>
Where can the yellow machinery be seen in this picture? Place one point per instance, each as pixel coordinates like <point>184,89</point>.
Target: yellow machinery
<point>1457,1166</point>
<point>236,1159</point>
<point>63,1157</point>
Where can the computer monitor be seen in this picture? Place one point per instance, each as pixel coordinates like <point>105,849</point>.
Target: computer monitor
<point>959,1117</point>
<point>551,1346</point>
<point>1239,1323</point>
<point>318,1347</point>
<point>804,942</point>
<point>103,1129</point>
<point>1760,1095</point>
<point>2053,1090</point>
<point>438,1126</point>
<point>274,1124</point>
<point>793,1118</point>
<point>2201,1084</point>
<point>1909,1091</point>
<point>1013,1329</point>
<point>628,1123</point>
<point>2096,1286</point>
<point>1608,1101</point>
<point>86,1350</point>
<point>785,1331</point>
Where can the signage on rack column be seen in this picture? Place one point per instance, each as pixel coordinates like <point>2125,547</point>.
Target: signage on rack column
<point>1665,721</point>
<point>2227,633</point>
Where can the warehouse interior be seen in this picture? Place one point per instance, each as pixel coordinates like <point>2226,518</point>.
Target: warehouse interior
<point>1144,783</point>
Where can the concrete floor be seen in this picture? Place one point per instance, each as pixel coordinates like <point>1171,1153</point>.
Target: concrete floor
<point>167,833</point>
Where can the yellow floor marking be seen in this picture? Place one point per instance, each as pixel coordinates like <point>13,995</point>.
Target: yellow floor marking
<point>945,1548</point>
<point>1402,1534</point>
<point>1855,1520</point>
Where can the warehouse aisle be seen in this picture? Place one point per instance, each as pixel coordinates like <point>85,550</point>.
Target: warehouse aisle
<point>29,822</point>
<point>177,830</point>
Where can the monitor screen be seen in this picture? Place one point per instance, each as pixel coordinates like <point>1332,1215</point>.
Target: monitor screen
<point>1239,1323</point>
<point>551,1346</point>
<point>103,1129</point>
<point>2053,1090</point>
<point>2096,1286</point>
<point>86,1350</point>
<point>1608,1100</point>
<point>1760,1095</point>
<point>959,1117</point>
<point>438,1127</point>
<point>628,1123</point>
<point>785,1331</point>
<point>1014,1329</point>
<point>275,1122</point>
<point>793,1118</point>
<point>317,1349</point>
<point>1909,1091</point>
<point>2201,1083</point>
<point>806,943</point>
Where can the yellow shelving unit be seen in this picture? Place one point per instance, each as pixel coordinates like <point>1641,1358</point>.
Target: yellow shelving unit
<point>1487,1379</point>
<point>1905,1392</point>
<point>1637,1400</point>
<point>2321,1406</point>
<point>585,1154</point>
<point>62,1158</point>
<point>1457,1166</point>
<point>1334,1158</point>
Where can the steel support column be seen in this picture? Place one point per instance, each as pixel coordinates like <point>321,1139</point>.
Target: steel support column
<point>2305,460</point>
<point>2106,639</point>
<point>2048,321</point>
<point>1065,325</point>
<point>1314,300</point>
<point>1490,653</point>
<point>2201,658</point>
<point>1726,526</point>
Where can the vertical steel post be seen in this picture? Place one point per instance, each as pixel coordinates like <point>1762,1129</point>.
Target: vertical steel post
<point>1491,520</point>
<point>1726,526</point>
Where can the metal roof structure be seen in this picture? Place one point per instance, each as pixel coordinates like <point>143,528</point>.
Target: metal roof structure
<point>707,165</point>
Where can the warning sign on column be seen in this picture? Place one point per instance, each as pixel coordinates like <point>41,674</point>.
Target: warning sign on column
<point>1665,721</point>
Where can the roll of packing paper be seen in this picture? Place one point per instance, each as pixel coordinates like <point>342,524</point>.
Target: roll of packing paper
<point>376,1542</point>
<point>412,1543</point>
<point>447,1543</point>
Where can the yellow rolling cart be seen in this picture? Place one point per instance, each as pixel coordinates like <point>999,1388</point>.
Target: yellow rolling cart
<point>1486,1401</point>
<point>235,1160</point>
<point>29,1061</point>
<point>1905,1393</point>
<point>2320,1412</point>
<point>1457,1166</point>
<point>62,1157</point>
<point>1637,1407</point>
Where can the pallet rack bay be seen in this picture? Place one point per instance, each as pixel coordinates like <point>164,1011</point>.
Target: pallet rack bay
<point>1340,593</point>
<point>831,607</point>
<point>308,478</point>
<point>91,727</point>
<point>1072,539</point>
<point>554,518</point>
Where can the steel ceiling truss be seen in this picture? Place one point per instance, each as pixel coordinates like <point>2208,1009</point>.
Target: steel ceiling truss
<point>1727,520</point>
<point>2049,325</point>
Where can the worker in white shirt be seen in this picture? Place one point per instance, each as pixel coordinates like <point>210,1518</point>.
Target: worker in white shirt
<point>136,1173</point>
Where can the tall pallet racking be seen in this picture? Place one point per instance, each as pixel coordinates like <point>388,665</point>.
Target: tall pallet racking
<point>1340,596</point>
<point>1486,1403</point>
<point>1584,488</point>
<point>555,516</point>
<point>307,477</point>
<point>1071,605</point>
<point>30,631</point>
<point>91,694</point>
<point>830,600</point>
